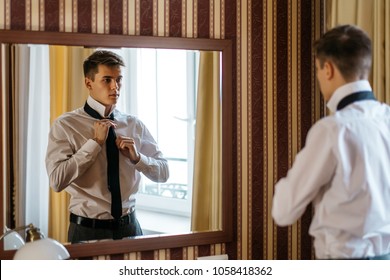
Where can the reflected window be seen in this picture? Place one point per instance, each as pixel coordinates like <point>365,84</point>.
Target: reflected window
<point>160,88</point>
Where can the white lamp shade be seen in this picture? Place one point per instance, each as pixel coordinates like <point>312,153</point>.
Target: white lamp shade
<point>13,241</point>
<point>43,249</point>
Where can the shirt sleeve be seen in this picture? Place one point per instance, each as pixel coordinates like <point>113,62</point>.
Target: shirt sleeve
<point>63,164</point>
<point>313,168</point>
<point>152,163</point>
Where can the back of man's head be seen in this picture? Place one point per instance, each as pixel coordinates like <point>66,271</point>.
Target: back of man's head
<point>349,48</point>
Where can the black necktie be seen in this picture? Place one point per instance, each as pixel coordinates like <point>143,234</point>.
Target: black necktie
<point>112,165</point>
<point>362,95</point>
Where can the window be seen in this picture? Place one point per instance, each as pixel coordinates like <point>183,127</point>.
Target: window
<point>161,92</point>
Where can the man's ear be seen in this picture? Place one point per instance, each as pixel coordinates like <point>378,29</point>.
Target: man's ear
<point>88,82</point>
<point>329,69</point>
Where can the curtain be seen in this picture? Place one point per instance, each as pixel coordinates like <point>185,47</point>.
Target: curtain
<point>374,17</point>
<point>19,109</point>
<point>10,196</point>
<point>37,128</point>
<point>28,98</point>
<point>207,185</point>
<point>67,92</point>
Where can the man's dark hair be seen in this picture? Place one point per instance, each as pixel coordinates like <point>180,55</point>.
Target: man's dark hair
<point>100,57</point>
<point>349,48</point>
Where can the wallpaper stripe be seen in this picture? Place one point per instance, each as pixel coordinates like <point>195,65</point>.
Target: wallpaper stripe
<point>175,18</point>
<point>8,14</point>
<point>107,21</point>
<point>84,16</point>
<point>203,19</point>
<point>244,130</point>
<point>249,124</point>
<point>146,17</point>
<point>222,19</point>
<point>129,17</point>
<point>211,3</point>
<point>75,20</point>
<point>17,14</point>
<point>257,134</point>
<point>267,123</point>
<point>274,108</point>
<point>29,14</point>
<point>275,95</point>
<point>216,23</point>
<point>159,8</point>
<point>195,19</point>
<point>68,16</point>
<point>240,160</point>
<point>115,10</point>
<point>61,15</point>
<point>184,18</point>
<point>98,16</point>
<point>125,13</point>
<point>283,115</point>
<point>176,254</point>
<point>93,16</point>
<point>2,15</point>
<point>51,20</point>
<point>294,229</point>
<point>166,18</point>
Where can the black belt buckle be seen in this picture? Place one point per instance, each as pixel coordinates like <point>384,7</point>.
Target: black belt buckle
<point>117,223</point>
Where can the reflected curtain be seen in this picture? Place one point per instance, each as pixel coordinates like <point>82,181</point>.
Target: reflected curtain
<point>18,142</point>
<point>67,92</point>
<point>27,112</point>
<point>207,183</point>
<point>10,196</point>
<point>374,17</point>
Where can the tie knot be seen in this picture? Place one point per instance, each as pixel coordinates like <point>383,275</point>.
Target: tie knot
<point>111,116</point>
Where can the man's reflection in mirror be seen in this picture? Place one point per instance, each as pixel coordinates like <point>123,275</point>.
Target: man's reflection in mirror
<point>97,154</point>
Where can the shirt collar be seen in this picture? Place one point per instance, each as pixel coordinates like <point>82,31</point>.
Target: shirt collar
<point>347,89</point>
<point>100,108</point>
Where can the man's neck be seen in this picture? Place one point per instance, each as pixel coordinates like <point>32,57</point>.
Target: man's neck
<point>346,89</point>
<point>103,110</point>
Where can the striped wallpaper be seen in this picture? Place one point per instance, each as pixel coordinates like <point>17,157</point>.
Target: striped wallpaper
<point>276,97</point>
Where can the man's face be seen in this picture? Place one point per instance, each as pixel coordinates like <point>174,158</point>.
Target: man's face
<point>322,78</point>
<point>106,85</point>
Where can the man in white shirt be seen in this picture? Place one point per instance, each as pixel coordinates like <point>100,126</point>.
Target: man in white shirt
<point>97,155</point>
<point>344,168</point>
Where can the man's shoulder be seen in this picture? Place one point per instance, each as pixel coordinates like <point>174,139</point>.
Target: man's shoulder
<point>126,117</point>
<point>326,121</point>
<point>71,115</point>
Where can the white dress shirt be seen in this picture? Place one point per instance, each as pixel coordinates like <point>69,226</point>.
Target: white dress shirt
<point>77,164</point>
<point>344,169</point>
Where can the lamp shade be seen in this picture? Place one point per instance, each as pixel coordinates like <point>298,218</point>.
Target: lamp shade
<point>13,241</point>
<point>43,249</point>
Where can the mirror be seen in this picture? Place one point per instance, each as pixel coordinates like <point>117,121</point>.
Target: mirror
<point>152,242</point>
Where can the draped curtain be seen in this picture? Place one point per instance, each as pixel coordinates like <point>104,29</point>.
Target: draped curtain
<point>207,185</point>
<point>67,92</point>
<point>374,17</point>
<point>6,110</point>
<point>27,132</point>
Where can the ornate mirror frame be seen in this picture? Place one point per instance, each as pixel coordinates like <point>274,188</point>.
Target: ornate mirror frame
<point>145,243</point>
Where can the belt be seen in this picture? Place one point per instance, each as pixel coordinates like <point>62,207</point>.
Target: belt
<point>104,224</point>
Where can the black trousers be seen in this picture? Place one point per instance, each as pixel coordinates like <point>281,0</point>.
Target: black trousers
<point>78,232</point>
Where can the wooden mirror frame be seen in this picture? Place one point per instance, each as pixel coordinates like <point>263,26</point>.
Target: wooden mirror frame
<point>155,242</point>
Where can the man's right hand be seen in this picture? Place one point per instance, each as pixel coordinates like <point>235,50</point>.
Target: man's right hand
<point>101,130</point>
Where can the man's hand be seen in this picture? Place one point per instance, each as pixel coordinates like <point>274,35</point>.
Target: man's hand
<point>126,146</point>
<point>101,130</point>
